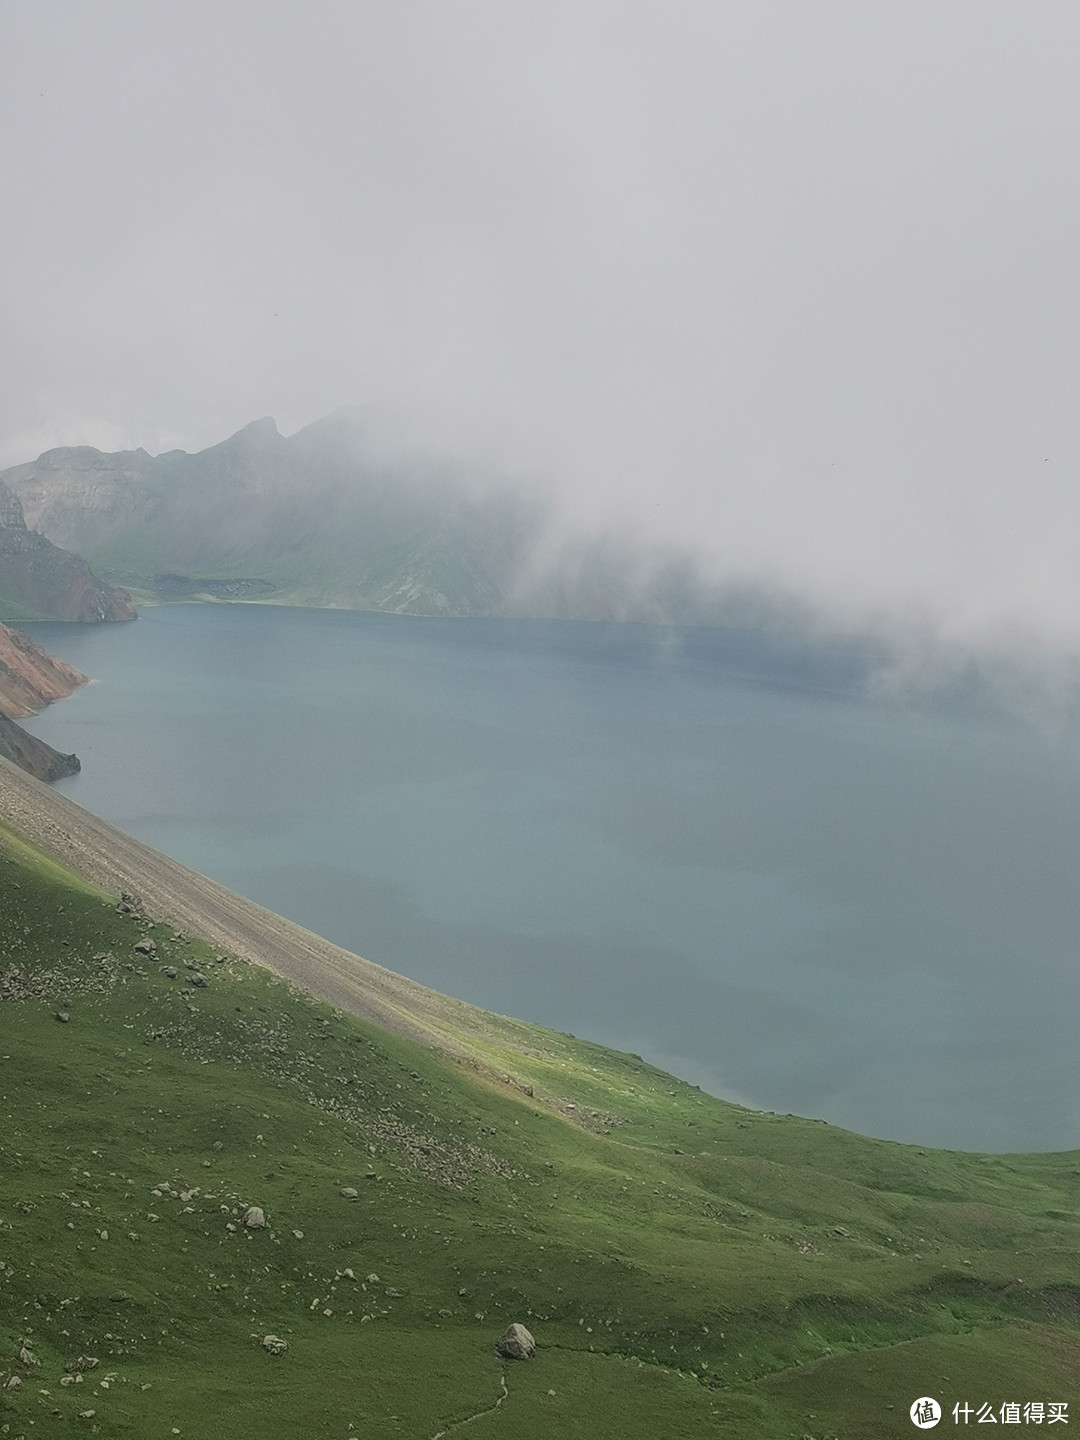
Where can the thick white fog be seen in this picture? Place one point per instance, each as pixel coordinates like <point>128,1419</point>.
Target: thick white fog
<point>795,283</point>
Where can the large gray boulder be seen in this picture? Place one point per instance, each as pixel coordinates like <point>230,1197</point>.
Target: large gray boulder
<point>516,1343</point>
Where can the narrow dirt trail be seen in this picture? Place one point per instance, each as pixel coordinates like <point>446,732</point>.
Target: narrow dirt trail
<point>504,1394</point>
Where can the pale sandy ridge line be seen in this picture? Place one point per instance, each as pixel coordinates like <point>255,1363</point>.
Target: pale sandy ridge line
<point>171,893</point>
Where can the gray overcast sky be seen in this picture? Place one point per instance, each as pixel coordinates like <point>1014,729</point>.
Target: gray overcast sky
<point>794,280</point>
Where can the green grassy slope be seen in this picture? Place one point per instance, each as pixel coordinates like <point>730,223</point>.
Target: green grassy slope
<point>15,611</point>
<point>688,1268</point>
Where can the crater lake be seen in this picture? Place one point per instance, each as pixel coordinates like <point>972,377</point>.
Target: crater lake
<point>713,848</point>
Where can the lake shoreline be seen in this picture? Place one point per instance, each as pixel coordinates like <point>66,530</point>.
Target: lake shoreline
<point>690,845</point>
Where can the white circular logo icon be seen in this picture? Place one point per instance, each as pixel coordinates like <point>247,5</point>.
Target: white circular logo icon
<point>925,1413</point>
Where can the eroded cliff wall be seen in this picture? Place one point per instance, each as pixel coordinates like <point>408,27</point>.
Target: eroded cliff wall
<point>29,678</point>
<point>39,581</point>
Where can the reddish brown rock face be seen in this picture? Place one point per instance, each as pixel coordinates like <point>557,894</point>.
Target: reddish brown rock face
<point>30,677</point>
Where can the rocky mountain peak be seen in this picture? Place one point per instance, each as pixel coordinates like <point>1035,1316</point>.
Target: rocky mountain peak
<point>255,442</point>
<point>266,428</point>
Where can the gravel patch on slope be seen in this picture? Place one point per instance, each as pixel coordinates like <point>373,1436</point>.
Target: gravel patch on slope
<point>171,893</point>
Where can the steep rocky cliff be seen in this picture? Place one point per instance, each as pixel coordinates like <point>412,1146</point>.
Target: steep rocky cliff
<point>334,515</point>
<point>39,581</point>
<point>29,678</point>
<point>345,513</point>
<point>33,755</point>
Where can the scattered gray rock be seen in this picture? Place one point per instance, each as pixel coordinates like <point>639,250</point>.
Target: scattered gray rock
<point>254,1218</point>
<point>28,1358</point>
<point>13,1382</point>
<point>63,1016</point>
<point>274,1345</point>
<point>198,979</point>
<point>169,971</point>
<point>145,946</point>
<point>81,1364</point>
<point>118,1297</point>
<point>348,1193</point>
<point>516,1343</point>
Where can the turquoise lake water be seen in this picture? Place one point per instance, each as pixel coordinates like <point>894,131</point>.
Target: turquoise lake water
<point>700,846</point>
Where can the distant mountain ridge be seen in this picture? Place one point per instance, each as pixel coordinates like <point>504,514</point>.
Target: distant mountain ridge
<point>341,514</point>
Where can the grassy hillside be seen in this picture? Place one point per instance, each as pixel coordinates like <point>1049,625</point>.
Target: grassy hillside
<point>687,1267</point>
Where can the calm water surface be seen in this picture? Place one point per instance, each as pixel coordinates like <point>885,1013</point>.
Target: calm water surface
<point>694,845</point>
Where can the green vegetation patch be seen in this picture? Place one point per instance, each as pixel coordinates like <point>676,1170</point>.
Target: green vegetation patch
<point>688,1268</point>
<point>14,611</point>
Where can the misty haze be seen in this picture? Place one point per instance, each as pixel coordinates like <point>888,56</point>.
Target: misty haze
<point>750,325</point>
<point>539,718</point>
